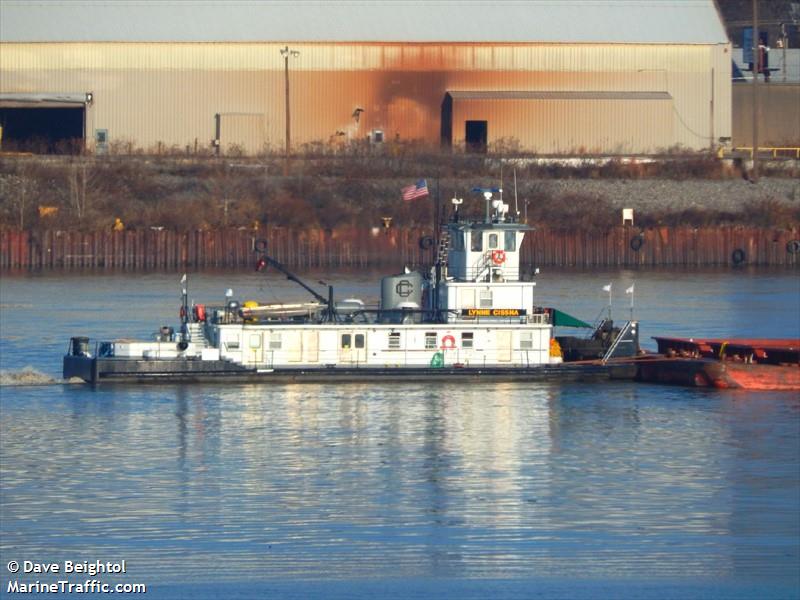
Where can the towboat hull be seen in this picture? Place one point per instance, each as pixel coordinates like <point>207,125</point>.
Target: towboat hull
<point>117,370</point>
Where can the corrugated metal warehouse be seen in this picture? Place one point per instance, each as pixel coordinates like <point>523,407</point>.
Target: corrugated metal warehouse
<point>553,77</point>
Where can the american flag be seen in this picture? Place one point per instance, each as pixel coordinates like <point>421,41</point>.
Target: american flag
<point>418,190</point>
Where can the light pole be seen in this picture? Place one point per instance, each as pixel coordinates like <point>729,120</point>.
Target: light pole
<point>756,69</point>
<point>286,53</point>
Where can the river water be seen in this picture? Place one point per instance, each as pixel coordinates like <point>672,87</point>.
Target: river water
<point>410,490</point>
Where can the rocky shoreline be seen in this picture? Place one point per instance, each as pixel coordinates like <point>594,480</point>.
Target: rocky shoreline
<point>651,195</point>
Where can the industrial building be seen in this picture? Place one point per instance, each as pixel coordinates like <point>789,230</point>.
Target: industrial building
<point>544,76</point>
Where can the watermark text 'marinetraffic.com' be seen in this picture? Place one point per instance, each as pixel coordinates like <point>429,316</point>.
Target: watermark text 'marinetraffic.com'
<point>65,586</point>
<point>90,586</point>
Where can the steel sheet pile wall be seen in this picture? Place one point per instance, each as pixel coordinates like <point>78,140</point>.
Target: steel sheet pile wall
<point>146,250</point>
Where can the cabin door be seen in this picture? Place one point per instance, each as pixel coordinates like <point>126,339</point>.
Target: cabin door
<point>353,347</point>
<point>255,348</point>
<point>503,346</point>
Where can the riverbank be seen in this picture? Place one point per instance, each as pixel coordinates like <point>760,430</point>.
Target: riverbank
<point>153,249</point>
<point>184,194</point>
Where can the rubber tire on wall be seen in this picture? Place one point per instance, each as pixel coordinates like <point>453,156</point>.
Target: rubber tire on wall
<point>636,242</point>
<point>738,256</point>
<point>793,246</point>
<point>425,243</point>
<point>260,245</point>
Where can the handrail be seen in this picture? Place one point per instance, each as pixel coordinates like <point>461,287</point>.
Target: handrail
<point>772,150</point>
<point>610,352</point>
<point>482,266</point>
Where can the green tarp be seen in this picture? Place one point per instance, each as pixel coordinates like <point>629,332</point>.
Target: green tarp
<point>562,319</point>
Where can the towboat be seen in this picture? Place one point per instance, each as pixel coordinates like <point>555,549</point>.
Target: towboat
<point>472,315</point>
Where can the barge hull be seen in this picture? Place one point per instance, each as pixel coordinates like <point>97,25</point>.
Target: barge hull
<point>704,372</point>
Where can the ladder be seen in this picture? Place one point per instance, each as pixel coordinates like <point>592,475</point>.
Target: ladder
<point>444,246</point>
<point>197,335</point>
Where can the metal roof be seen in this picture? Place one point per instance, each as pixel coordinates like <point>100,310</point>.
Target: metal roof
<point>553,21</point>
<point>525,95</point>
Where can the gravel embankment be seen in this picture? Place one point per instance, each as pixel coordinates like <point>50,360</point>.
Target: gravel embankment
<point>649,195</point>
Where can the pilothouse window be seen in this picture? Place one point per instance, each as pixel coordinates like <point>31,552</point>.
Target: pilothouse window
<point>492,240</point>
<point>511,241</point>
<point>476,244</point>
<point>359,340</point>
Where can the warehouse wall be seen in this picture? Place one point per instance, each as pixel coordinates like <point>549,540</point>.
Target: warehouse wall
<point>574,126</point>
<point>779,114</point>
<point>171,93</point>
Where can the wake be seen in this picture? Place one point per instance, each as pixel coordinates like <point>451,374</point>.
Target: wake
<point>27,376</point>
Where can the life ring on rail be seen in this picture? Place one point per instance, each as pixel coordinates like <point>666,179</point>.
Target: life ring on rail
<point>636,242</point>
<point>738,256</point>
<point>793,246</point>
<point>425,243</point>
<point>448,342</point>
<point>183,313</point>
<point>498,257</point>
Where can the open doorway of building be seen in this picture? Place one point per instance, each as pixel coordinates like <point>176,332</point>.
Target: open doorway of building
<point>475,136</point>
<point>43,130</point>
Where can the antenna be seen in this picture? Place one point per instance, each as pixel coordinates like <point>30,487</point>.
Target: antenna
<point>487,195</point>
<point>501,181</point>
<point>456,203</point>
<point>516,205</point>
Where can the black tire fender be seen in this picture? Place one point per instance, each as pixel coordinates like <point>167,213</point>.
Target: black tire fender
<point>636,242</point>
<point>426,242</point>
<point>738,256</point>
<point>793,246</point>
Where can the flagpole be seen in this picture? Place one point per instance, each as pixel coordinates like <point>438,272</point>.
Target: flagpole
<point>607,288</point>
<point>437,218</point>
<point>633,292</point>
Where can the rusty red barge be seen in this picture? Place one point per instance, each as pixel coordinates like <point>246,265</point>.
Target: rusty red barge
<point>751,364</point>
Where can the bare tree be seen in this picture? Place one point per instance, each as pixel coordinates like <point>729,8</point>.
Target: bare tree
<point>78,183</point>
<point>16,192</point>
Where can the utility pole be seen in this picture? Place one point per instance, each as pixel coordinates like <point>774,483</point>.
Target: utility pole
<point>756,70</point>
<point>285,53</point>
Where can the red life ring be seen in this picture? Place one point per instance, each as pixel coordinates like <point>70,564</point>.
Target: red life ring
<point>199,313</point>
<point>498,257</point>
<point>448,342</point>
<point>183,313</point>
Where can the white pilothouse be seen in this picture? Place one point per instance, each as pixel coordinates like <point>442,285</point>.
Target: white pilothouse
<point>472,314</point>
